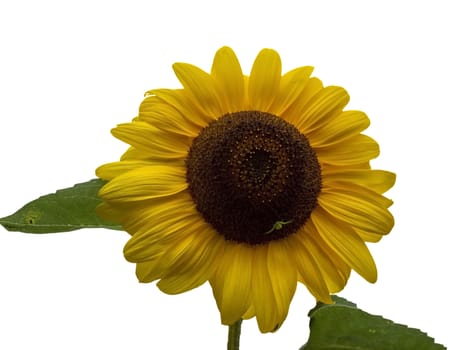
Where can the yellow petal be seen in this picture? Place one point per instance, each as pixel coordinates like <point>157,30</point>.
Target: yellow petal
<point>369,236</point>
<point>194,265</point>
<point>162,259</point>
<point>334,270</point>
<point>228,77</point>
<point>172,261</point>
<point>133,153</point>
<point>147,271</point>
<point>293,113</point>
<point>355,150</point>
<point>376,180</point>
<point>201,87</point>
<point>231,283</point>
<point>308,268</point>
<point>264,80</point>
<point>358,206</point>
<point>262,291</point>
<point>158,223</point>
<point>108,212</point>
<point>250,313</point>
<point>346,243</point>
<point>142,247</point>
<point>282,274</point>
<point>188,108</point>
<point>321,106</point>
<point>159,144</point>
<point>111,170</point>
<point>155,111</point>
<point>291,86</point>
<point>144,183</point>
<point>344,125</point>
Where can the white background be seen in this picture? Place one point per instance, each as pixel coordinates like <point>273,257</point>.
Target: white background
<point>70,71</point>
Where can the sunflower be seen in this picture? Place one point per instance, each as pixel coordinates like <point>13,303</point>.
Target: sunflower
<point>251,183</point>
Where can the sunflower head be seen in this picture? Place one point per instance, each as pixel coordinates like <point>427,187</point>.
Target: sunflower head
<point>249,169</point>
<point>252,183</point>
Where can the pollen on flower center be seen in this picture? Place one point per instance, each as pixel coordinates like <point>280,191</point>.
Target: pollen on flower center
<point>253,177</point>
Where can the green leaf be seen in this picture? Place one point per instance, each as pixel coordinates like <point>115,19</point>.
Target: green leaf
<point>66,210</point>
<point>342,326</point>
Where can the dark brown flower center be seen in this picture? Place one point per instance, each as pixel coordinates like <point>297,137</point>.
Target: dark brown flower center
<point>253,177</point>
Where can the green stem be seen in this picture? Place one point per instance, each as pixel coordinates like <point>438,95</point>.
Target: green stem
<point>234,335</point>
